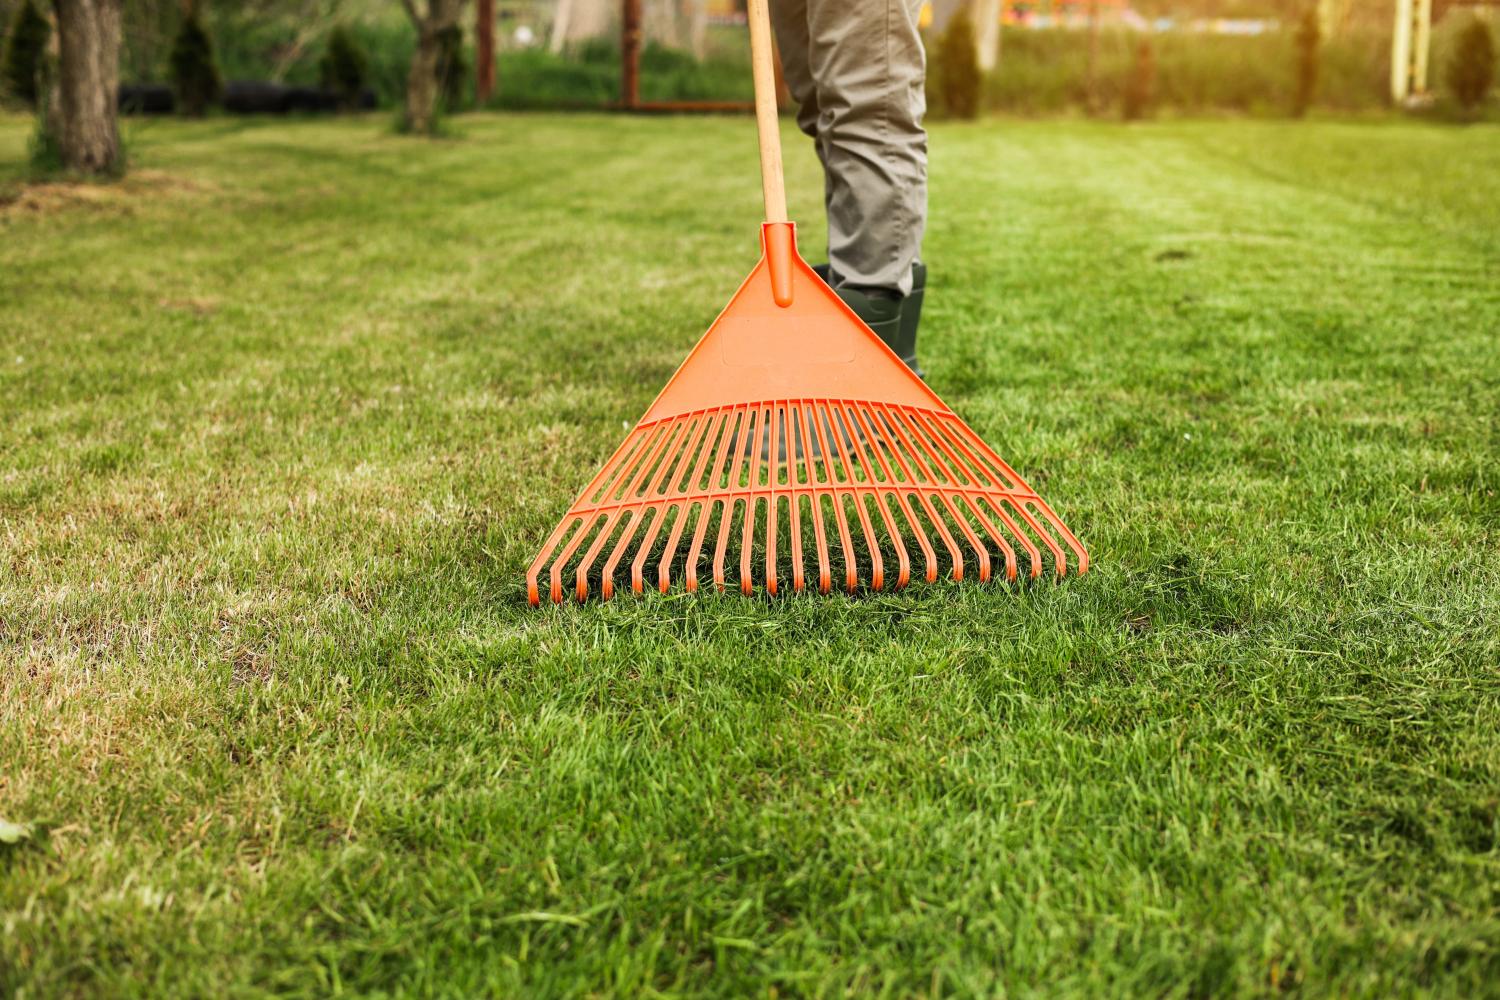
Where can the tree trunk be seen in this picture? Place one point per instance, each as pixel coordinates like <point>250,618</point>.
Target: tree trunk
<point>987,33</point>
<point>700,29</point>
<point>561,18</point>
<point>422,84</point>
<point>630,53</point>
<point>484,56</point>
<point>81,116</point>
<point>1091,73</point>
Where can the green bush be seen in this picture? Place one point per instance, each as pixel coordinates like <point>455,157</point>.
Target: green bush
<point>344,67</point>
<point>1140,88</point>
<point>195,75</point>
<point>589,76</point>
<point>959,82</point>
<point>25,48</point>
<point>1471,68</point>
<point>252,47</point>
<point>1309,44</point>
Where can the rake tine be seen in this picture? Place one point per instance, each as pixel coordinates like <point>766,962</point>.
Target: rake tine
<point>957,474</point>
<point>967,469</point>
<point>932,515</point>
<point>719,456</point>
<point>776,455</point>
<point>607,583</point>
<point>685,445</point>
<point>637,565</point>
<point>1033,554</point>
<point>593,491</point>
<point>825,577</point>
<point>1013,482</point>
<point>636,488</point>
<point>690,437</point>
<point>533,593</point>
<point>851,579</point>
<point>794,522</point>
<point>877,565</point>
<point>868,427</point>
<point>980,551</point>
<point>664,570</point>
<point>1059,561</point>
<point>747,535</point>
<point>911,519</point>
<point>602,484</point>
<point>581,583</point>
<point>1062,529</point>
<point>716,468</point>
<point>994,533</point>
<point>618,488</point>
<point>945,432</point>
<point>729,500</point>
<point>704,516</point>
<point>1010,556</point>
<point>794,508</point>
<point>577,536</point>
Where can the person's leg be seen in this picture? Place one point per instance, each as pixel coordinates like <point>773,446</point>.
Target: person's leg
<point>789,23</point>
<point>867,66</point>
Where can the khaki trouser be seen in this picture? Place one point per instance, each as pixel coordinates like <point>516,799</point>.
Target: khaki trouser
<point>855,69</point>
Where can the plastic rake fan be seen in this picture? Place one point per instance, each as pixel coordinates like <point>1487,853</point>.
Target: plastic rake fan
<point>793,442</point>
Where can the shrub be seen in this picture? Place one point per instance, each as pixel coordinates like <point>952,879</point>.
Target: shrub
<point>343,67</point>
<point>1471,68</point>
<point>1140,88</point>
<point>453,67</point>
<point>25,48</point>
<point>1309,42</point>
<point>195,76</point>
<point>959,80</point>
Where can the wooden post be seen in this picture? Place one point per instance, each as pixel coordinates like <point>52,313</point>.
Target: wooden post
<point>1401,53</point>
<point>484,38</point>
<point>987,14</point>
<point>630,53</point>
<point>1091,68</point>
<point>1421,47</point>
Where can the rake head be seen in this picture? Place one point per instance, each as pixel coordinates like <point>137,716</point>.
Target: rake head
<point>792,431</point>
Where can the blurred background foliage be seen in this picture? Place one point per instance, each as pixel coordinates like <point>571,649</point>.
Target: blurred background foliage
<point>565,53</point>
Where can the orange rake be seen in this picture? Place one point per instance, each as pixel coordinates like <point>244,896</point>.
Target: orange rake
<point>791,419</point>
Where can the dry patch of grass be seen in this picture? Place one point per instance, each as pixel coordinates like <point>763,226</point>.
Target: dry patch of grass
<point>125,196</point>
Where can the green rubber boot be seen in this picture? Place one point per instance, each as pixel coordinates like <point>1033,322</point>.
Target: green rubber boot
<point>878,307</point>
<point>893,318</point>
<point>911,316</point>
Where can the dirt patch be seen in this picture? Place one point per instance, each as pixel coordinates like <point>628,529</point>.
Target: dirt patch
<point>120,197</point>
<point>199,306</point>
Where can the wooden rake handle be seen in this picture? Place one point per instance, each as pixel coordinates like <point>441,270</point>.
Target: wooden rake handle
<point>767,121</point>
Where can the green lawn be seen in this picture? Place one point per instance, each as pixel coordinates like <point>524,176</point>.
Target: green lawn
<point>286,414</point>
